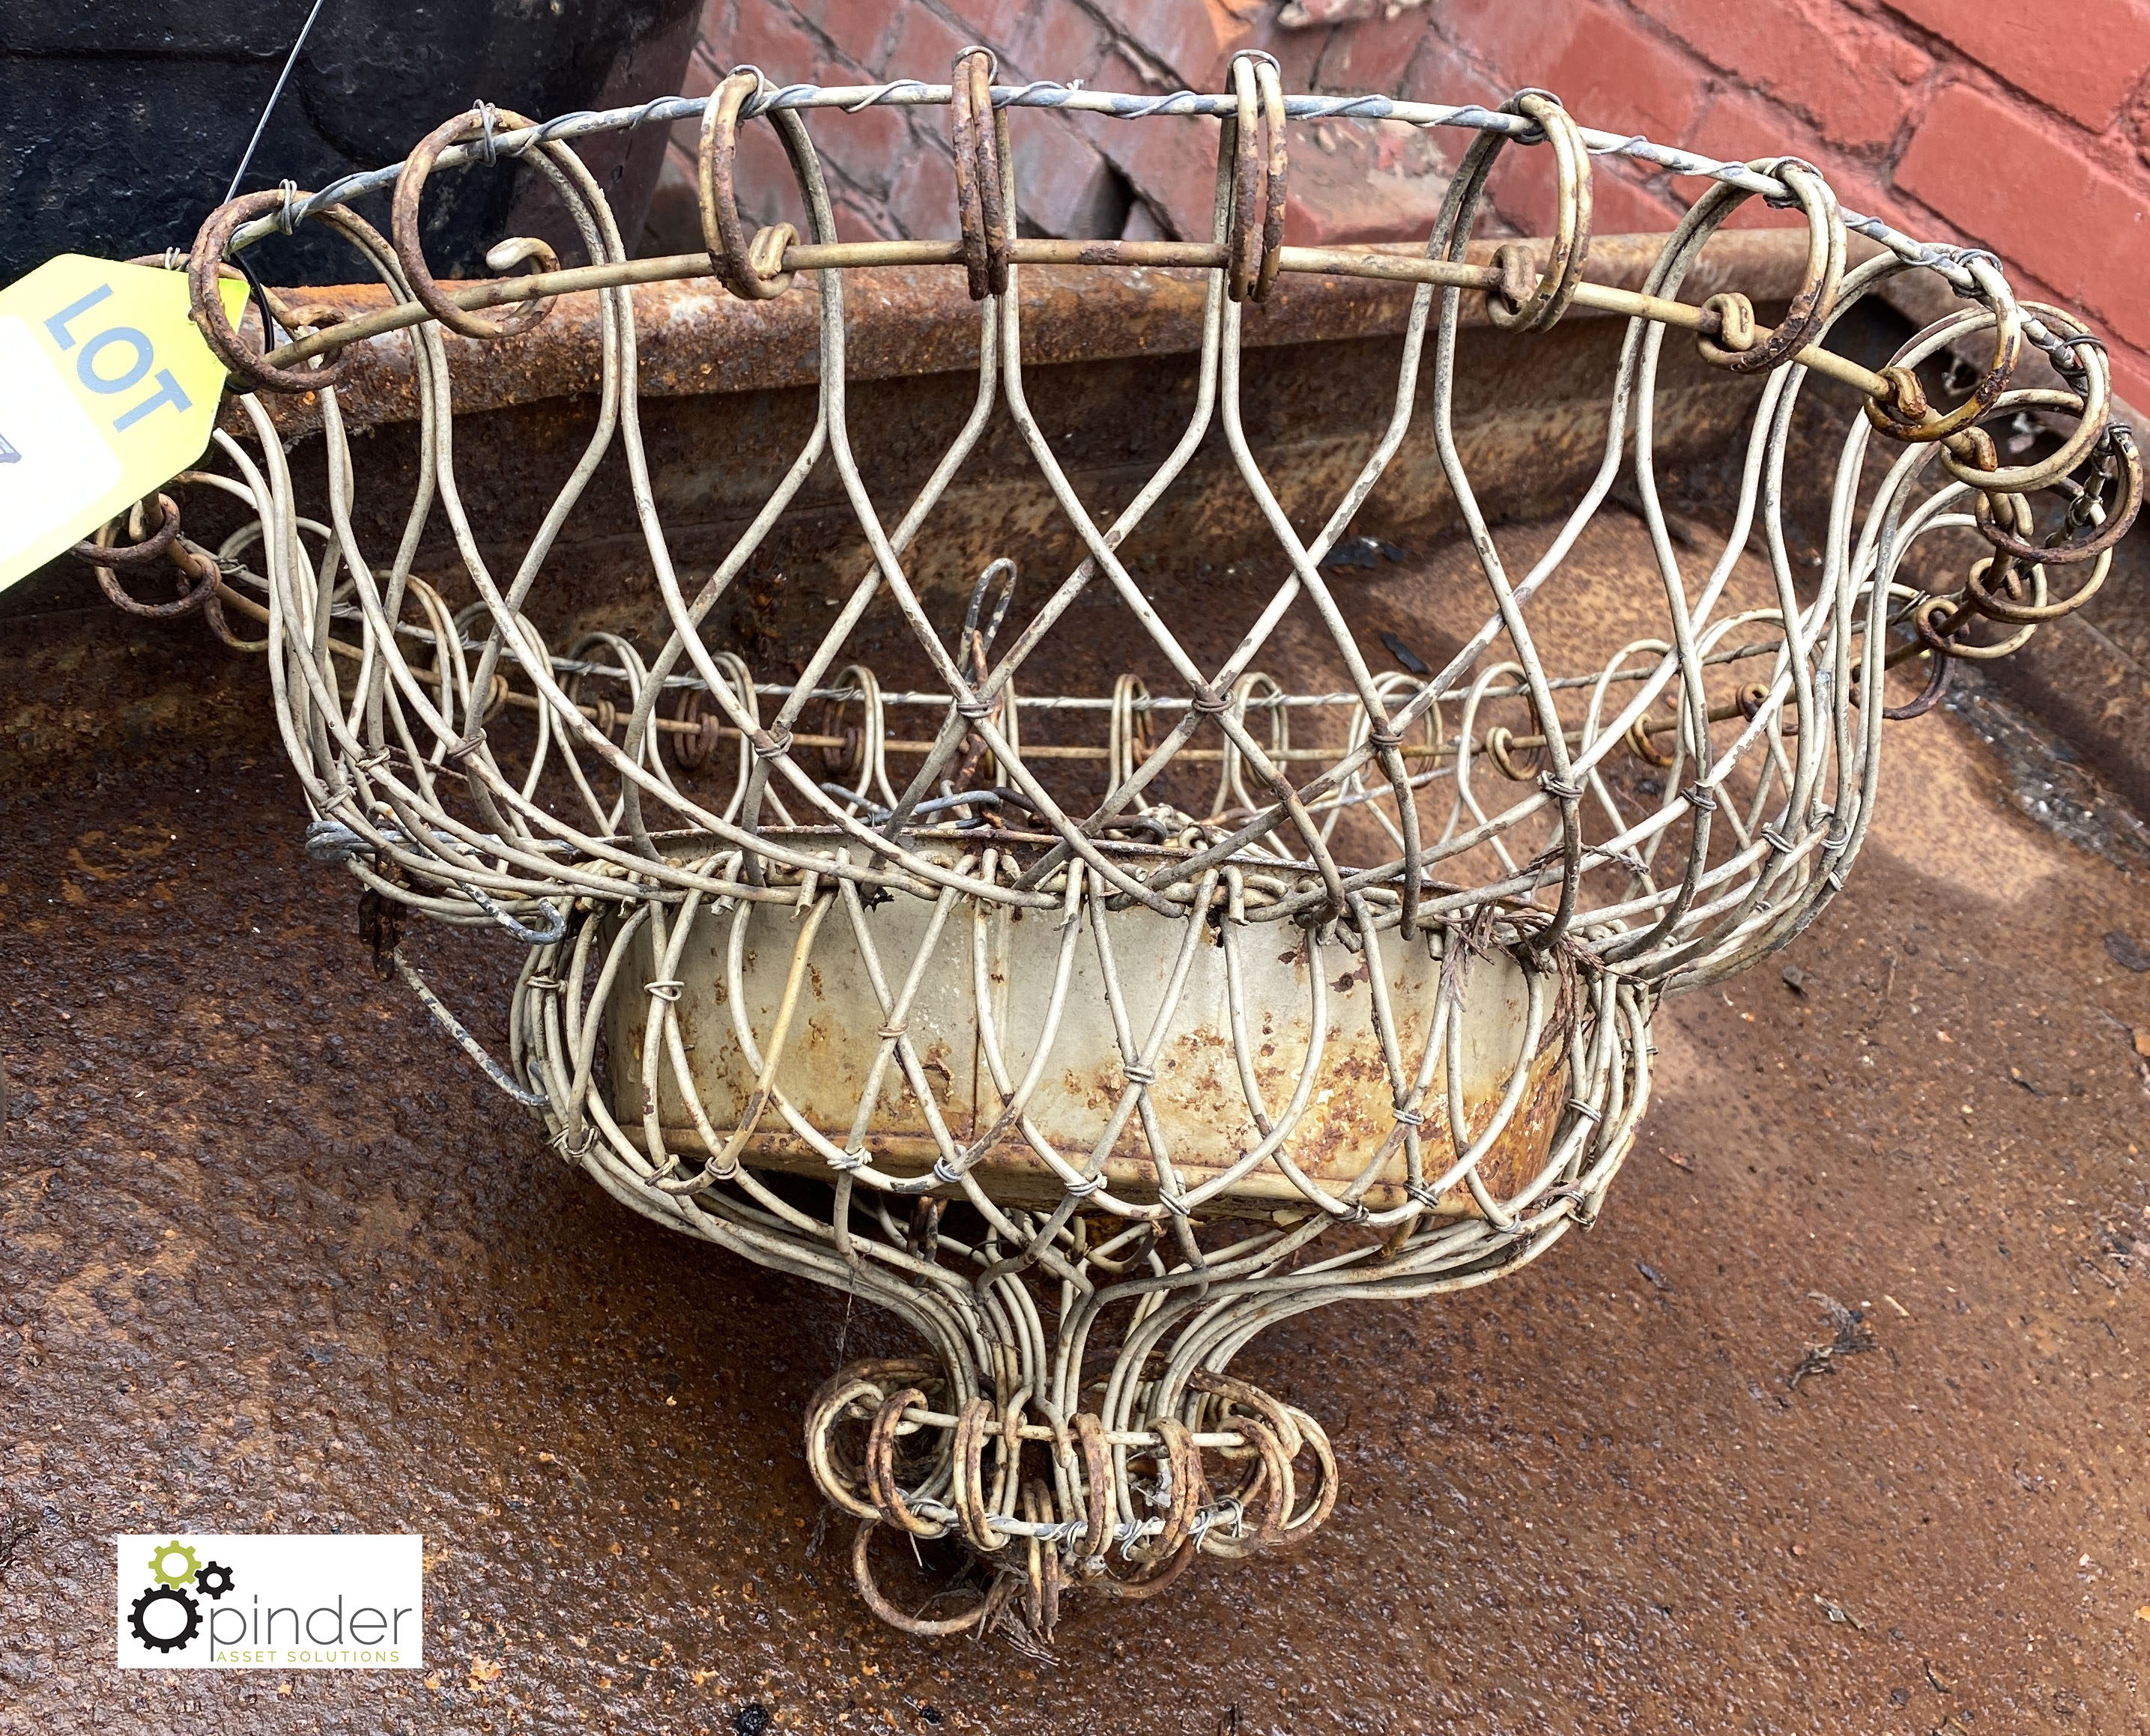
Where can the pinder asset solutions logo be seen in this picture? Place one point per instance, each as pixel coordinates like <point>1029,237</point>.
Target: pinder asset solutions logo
<point>258,1602</point>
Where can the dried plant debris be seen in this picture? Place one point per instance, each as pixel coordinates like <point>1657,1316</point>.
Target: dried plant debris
<point>1836,1612</point>
<point>1853,1335</point>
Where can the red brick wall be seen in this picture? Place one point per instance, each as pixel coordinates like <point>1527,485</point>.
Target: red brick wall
<point>2020,126</point>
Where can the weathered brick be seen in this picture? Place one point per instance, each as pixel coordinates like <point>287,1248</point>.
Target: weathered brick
<point>1623,204</point>
<point>856,26</point>
<point>2002,177</point>
<point>922,203</point>
<point>2131,379</point>
<point>1352,183</point>
<point>1142,225</point>
<point>1855,79</point>
<point>1192,38</point>
<point>769,35</point>
<point>922,45</point>
<point>1608,70</point>
<point>768,191</point>
<point>868,147</point>
<point>2083,60</point>
<point>1055,40</point>
<point>1171,163</point>
<point>989,23</point>
<point>860,219</point>
<point>1742,127</point>
<point>1064,187</point>
<point>1524,194</point>
<point>702,73</point>
<point>1374,55</point>
<point>1380,208</point>
<point>1299,52</point>
<point>1313,14</point>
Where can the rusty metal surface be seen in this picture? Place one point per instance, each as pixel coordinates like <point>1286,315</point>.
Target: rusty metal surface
<point>259,1278</point>
<point>696,341</point>
<point>826,1068</point>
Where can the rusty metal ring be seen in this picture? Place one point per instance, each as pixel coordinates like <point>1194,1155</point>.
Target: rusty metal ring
<point>978,134</point>
<point>866,1381</point>
<point>1269,1483</point>
<point>1640,743</point>
<point>1815,300</point>
<point>205,269</point>
<point>144,553</point>
<point>2010,612</point>
<point>2104,534</point>
<point>213,613</point>
<point>1498,745</point>
<point>969,1469</point>
<point>1134,1591</point>
<point>881,1466</point>
<point>2007,350</point>
<point>1901,406</point>
<point>1253,140</point>
<point>1519,305</point>
<point>982,1612</point>
<point>1314,1514</point>
<point>200,578</point>
<point>1937,686</point>
<point>1937,639</point>
<point>1962,611</point>
<point>1190,1490</point>
<point>691,747</point>
<point>2092,406</point>
<point>1752,697</point>
<point>1039,1585</point>
<point>1466,191</point>
<point>751,269</point>
<point>1248,1396</point>
<point>409,252</point>
<point>1097,1481</point>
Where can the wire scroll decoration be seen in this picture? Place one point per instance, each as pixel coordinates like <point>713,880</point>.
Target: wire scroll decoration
<point>1092,1031</point>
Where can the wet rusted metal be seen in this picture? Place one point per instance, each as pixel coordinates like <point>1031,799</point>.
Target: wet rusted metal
<point>382,1307</point>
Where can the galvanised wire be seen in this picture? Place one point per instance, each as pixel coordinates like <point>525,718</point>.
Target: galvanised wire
<point>683,882</point>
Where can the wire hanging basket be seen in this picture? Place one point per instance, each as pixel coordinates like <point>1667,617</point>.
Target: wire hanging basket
<point>1093,1020</point>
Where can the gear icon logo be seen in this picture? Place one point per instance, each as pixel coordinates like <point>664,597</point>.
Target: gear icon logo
<point>168,1614</point>
<point>162,1570</point>
<point>139,1618</point>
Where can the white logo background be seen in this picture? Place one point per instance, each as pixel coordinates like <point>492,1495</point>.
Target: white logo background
<point>288,1602</point>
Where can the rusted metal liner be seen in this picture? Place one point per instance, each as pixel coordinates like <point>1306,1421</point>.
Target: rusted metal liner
<point>1291,996</point>
<point>694,339</point>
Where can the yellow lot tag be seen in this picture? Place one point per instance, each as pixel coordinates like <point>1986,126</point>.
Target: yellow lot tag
<point>107,392</point>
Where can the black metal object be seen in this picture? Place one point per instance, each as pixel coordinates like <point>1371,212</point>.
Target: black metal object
<point>121,121</point>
